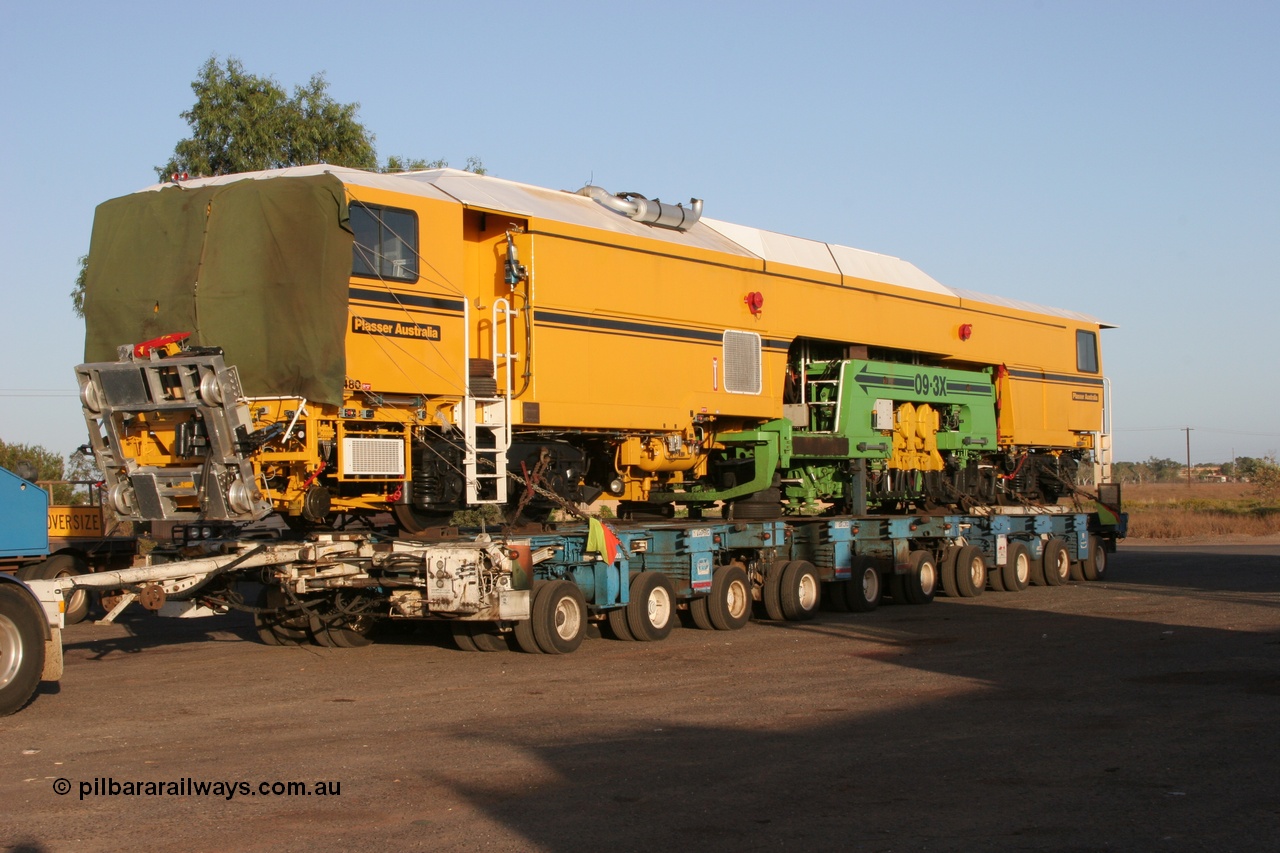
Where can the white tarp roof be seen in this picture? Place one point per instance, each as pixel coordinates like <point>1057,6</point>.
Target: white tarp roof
<point>490,193</point>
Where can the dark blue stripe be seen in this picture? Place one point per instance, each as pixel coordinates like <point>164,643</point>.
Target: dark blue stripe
<point>1056,377</point>
<point>407,299</point>
<point>605,324</point>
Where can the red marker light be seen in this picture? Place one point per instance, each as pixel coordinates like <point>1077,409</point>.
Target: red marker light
<point>966,332</point>
<point>755,301</point>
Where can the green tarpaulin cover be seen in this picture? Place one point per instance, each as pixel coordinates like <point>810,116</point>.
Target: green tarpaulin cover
<point>260,268</point>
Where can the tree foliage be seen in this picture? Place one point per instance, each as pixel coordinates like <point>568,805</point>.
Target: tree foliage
<point>241,122</point>
<point>45,465</point>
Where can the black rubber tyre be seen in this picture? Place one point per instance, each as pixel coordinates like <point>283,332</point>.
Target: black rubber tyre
<point>488,638</point>
<point>523,632</point>
<point>617,620</point>
<point>897,589</point>
<point>700,613</point>
<point>1056,563</point>
<point>63,566</point>
<point>275,627</point>
<point>1095,567</point>
<point>730,603</point>
<point>771,595</point>
<point>559,618</point>
<point>971,572</point>
<point>947,572</point>
<point>462,637</point>
<point>21,647</point>
<point>1016,572</point>
<point>995,578</point>
<point>866,588</point>
<point>651,613</point>
<point>1077,571</point>
<point>921,583</point>
<point>800,591</point>
<point>411,520</point>
<point>350,635</point>
<point>835,596</point>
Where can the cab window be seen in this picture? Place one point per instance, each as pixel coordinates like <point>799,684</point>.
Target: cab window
<point>1086,352</point>
<point>386,242</point>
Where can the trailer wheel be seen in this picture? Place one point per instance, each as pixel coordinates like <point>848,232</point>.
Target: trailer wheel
<point>559,618</point>
<point>947,572</point>
<point>1056,563</point>
<point>63,566</point>
<point>477,637</point>
<point>971,572</point>
<point>801,591</point>
<point>920,584</point>
<point>462,637</point>
<point>617,619</point>
<point>1016,573</point>
<point>1077,571</point>
<point>866,588</point>
<point>700,613</point>
<point>346,634</point>
<point>21,648</point>
<point>275,626</point>
<point>1095,565</point>
<point>835,596</point>
<point>651,613</point>
<point>771,591</point>
<point>730,603</point>
<point>523,631</point>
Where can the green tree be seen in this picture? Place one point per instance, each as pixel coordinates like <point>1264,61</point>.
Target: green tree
<point>1266,479</point>
<point>46,465</point>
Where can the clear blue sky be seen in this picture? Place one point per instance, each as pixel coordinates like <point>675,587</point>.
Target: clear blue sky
<point>1116,158</point>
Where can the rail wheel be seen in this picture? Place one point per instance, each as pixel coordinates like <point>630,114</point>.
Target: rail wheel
<point>971,572</point>
<point>21,648</point>
<point>920,584</point>
<point>800,591</point>
<point>523,631</point>
<point>412,520</point>
<point>651,613</point>
<point>275,625</point>
<point>729,605</point>
<point>559,618</point>
<point>1056,563</point>
<point>1016,572</point>
<point>1095,565</point>
<point>866,588</point>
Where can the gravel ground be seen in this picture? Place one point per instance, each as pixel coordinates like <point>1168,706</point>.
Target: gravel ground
<point>1137,713</point>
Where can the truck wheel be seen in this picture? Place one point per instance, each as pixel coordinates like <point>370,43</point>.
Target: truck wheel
<point>730,603</point>
<point>350,634</point>
<point>63,566</point>
<point>835,596</point>
<point>21,648</point>
<point>920,584</point>
<point>947,572</point>
<point>478,637</point>
<point>771,595</point>
<point>1095,566</point>
<point>801,591</point>
<point>523,631</point>
<point>866,588</point>
<point>1016,572</point>
<point>651,613</point>
<point>700,613</point>
<point>462,637</point>
<point>275,626</point>
<point>1056,563</point>
<point>559,618</point>
<point>617,620</point>
<point>971,572</point>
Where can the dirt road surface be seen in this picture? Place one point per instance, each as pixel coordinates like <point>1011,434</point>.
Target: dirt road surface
<point>1139,713</point>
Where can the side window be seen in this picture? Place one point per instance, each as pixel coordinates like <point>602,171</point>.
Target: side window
<point>1086,352</point>
<point>386,242</point>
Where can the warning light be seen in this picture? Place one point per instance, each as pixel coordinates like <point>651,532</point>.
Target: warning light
<point>966,332</point>
<point>755,301</point>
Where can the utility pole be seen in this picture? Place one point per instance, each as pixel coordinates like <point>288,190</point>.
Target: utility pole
<point>1187,430</point>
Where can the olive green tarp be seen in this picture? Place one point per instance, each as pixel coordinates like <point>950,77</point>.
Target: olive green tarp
<point>260,268</point>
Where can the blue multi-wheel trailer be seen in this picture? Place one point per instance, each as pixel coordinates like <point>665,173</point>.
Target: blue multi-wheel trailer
<point>540,591</point>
